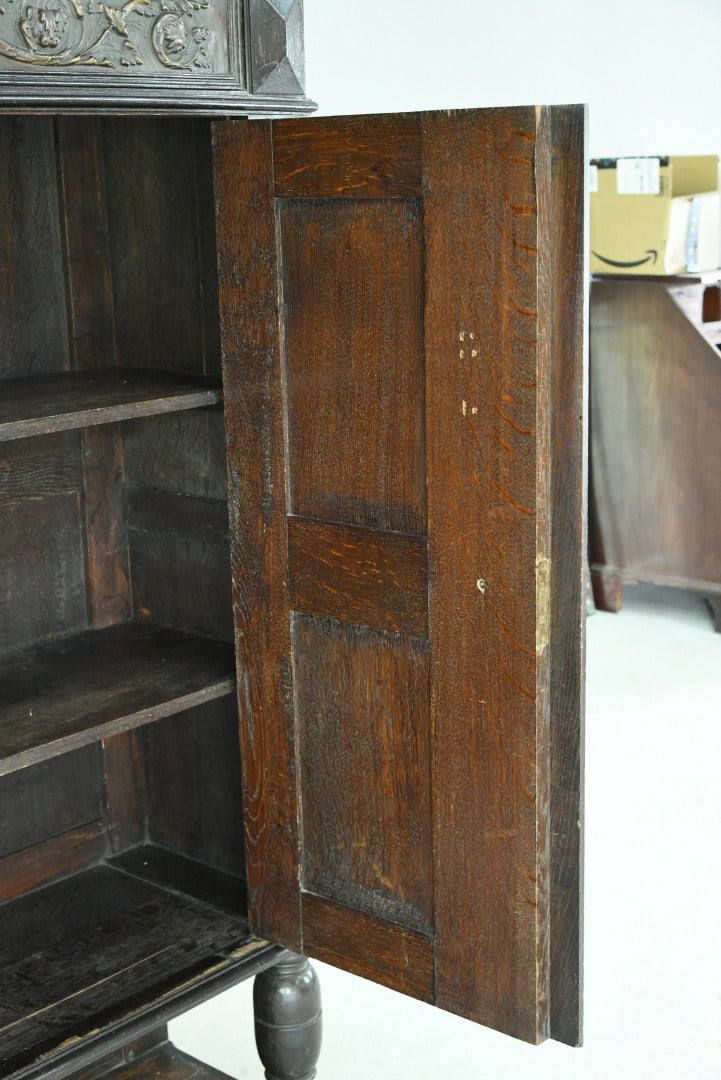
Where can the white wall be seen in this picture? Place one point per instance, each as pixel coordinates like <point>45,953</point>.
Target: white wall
<point>648,70</point>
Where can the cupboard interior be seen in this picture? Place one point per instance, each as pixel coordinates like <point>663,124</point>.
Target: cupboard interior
<point>121,847</point>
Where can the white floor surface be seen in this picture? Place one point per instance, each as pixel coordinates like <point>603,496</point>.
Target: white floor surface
<point>653,892</point>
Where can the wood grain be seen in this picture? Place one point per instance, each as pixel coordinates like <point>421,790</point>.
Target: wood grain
<point>194,796</point>
<point>254,405</point>
<point>127,938</point>
<point>31,407</point>
<point>349,156</point>
<point>404,321</point>
<point>42,568</point>
<point>353,317</point>
<point>33,328</point>
<point>106,541</point>
<point>480,219</point>
<point>97,684</point>
<point>180,561</point>
<point>156,256</point>
<point>34,802</point>
<point>372,948</point>
<point>85,234</point>
<point>56,857</point>
<point>364,737</point>
<point>561,181</point>
<point>363,576</point>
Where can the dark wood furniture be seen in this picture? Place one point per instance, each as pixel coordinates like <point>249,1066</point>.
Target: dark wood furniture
<point>372,754</point>
<point>656,436</point>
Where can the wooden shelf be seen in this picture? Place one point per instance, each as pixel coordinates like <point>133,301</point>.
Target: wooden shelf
<point>70,692</point>
<point>62,402</point>
<point>101,944</point>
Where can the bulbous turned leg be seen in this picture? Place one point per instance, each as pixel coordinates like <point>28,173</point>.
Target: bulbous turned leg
<point>286,1003</point>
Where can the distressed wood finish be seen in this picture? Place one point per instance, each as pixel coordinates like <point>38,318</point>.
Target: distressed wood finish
<point>365,769</point>
<point>371,577</point>
<point>32,407</point>
<point>94,685</point>
<point>113,503</point>
<point>373,948</point>
<point>403,389</point>
<point>562,210</point>
<point>248,283</point>
<point>120,930</point>
<point>489,710</point>
<point>353,319</point>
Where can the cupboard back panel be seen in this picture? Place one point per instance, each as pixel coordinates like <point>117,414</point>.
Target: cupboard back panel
<point>160,219</point>
<point>194,801</point>
<point>181,452</point>
<point>180,561</point>
<point>42,556</point>
<point>35,802</point>
<point>33,327</point>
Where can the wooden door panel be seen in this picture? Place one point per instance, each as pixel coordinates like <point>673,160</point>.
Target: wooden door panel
<point>353,313</point>
<point>391,456</point>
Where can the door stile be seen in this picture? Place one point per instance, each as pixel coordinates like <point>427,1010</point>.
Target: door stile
<point>254,409</point>
<point>562,206</point>
<point>482,420</point>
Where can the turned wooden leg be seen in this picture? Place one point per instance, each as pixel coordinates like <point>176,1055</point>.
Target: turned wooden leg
<point>286,1003</point>
<point>607,588</point>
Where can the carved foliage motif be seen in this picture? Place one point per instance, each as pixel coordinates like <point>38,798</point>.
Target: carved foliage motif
<point>63,33</point>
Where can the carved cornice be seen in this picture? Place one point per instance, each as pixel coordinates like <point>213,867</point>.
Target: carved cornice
<point>160,34</point>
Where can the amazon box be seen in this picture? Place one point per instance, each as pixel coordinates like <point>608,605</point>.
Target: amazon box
<point>654,215</point>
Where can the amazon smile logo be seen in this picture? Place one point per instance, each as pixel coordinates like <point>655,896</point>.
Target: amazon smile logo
<point>651,257</point>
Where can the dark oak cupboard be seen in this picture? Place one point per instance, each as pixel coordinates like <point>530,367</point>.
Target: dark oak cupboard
<point>291,498</point>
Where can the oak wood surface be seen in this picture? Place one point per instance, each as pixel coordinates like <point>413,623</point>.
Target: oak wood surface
<point>373,948</point>
<point>353,336</point>
<point>56,857</point>
<point>482,393</point>
<point>365,769</point>
<point>399,320</point>
<point>33,329</point>
<point>257,509</point>
<point>34,801</point>
<point>125,935</point>
<point>76,690</point>
<point>376,578</point>
<point>33,406</point>
<point>347,156</point>
<point>561,206</point>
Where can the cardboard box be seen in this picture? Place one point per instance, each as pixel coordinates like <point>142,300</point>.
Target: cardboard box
<point>654,215</point>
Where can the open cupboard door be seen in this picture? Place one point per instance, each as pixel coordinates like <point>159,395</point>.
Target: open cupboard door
<point>402,318</point>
